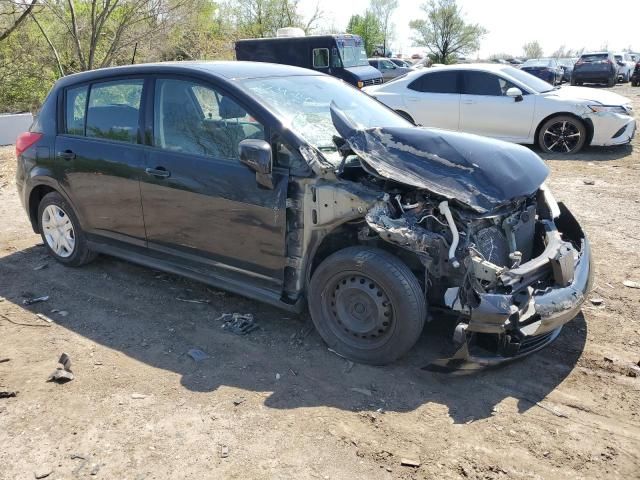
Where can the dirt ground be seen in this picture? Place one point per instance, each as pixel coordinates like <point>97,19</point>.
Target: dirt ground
<point>277,404</point>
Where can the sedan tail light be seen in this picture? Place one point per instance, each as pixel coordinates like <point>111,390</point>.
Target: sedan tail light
<point>26,140</point>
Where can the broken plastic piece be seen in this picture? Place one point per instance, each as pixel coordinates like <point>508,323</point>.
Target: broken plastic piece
<point>62,373</point>
<point>31,301</point>
<point>197,355</point>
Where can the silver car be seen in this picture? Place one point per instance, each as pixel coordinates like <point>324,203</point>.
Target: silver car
<point>388,69</point>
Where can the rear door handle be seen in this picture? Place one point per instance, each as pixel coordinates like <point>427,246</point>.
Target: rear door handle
<point>159,172</point>
<point>468,102</point>
<point>67,155</point>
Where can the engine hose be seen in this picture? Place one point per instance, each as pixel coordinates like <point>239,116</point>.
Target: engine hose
<point>444,210</point>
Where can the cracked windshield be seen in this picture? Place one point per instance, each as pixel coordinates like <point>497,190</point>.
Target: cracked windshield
<point>303,102</point>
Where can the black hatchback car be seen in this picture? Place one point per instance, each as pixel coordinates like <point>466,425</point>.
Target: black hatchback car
<point>290,186</point>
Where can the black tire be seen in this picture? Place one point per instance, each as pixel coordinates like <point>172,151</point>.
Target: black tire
<point>634,83</point>
<point>562,128</point>
<point>611,82</point>
<point>406,116</point>
<point>80,254</point>
<point>377,316</point>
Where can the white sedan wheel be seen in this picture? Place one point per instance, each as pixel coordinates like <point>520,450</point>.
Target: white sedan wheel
<point>58,231</point>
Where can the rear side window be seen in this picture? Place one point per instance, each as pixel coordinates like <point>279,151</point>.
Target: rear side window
<point>113,110</point>
<point>483,83</point>
<point>75,105</point>
<point>436,82</point>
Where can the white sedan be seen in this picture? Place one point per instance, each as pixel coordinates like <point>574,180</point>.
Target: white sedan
<point>503,102</point>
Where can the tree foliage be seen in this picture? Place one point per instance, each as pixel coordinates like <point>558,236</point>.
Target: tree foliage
<point>444,31</point>
<point>382,10</point>
<point>369,28</point>
<point>47,39</point>
<point>532,50</point>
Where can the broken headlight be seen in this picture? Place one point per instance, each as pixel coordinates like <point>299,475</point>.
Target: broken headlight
<point>609,108</point>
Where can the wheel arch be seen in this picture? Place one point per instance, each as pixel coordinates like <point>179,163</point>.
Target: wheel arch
<point>585,121</point>
<point>35,197</point>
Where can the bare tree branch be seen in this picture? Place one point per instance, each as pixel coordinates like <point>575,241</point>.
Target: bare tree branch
<point>18,21</point>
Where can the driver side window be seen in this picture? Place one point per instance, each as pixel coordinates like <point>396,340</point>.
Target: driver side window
<point>483,83</point>
<point>196,119</point>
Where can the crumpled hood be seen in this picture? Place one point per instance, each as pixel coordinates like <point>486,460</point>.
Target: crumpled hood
<point>480,172</point>
<point>588,95</point>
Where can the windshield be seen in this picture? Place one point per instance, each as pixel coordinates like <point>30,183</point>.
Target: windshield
<point>537,62</point>
<point>303,105</point>
<point>353,56</point>
<point>532,82</point>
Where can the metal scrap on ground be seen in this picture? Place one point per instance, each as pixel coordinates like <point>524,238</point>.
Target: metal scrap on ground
<point>238,323</point>
<point>31,301</point>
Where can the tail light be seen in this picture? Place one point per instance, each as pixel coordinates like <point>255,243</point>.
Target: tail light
<point>26,140</point>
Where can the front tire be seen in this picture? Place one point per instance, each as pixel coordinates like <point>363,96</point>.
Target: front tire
<point>367,305</point>
<point>61,232</point>
<point>562,134</point>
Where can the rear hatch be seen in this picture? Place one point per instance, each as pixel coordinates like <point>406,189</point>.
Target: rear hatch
<point>593,63</point>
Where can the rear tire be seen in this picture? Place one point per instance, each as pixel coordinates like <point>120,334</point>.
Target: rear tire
<point>367,305</point>
<point>562,134</point>
<point>611,82</point>
<point>61,232</point>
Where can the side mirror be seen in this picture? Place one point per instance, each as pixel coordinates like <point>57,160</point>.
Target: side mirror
<point>256,154</point>
<point>515,93</point>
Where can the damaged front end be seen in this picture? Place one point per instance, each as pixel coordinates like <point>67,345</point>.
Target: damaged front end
<point>496,247</point>
<point>514,276</point>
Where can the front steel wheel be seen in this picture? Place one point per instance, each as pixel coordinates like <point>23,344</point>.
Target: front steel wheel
<point>367,305</point>
<point>562,134</point>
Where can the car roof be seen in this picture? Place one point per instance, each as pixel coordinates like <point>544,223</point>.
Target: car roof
<point>230,70</point>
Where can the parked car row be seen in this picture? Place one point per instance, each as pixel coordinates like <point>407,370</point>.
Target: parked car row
<point>510,104</point>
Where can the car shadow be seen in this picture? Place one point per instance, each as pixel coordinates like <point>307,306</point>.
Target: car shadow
<point>589,154</point>
<point>136,311</point>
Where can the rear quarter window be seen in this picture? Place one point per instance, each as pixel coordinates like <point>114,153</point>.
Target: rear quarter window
<point>437,82</point>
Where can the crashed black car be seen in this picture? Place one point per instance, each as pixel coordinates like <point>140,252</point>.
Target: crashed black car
<point>292,187</point>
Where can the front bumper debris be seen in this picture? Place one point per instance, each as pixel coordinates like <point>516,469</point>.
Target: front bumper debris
<point>504,327</point>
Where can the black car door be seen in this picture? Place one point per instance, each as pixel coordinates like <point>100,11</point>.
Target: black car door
<point>200,204</point>
<point>100,159</point>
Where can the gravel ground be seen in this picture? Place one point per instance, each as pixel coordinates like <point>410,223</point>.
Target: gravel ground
<point>277,404</point>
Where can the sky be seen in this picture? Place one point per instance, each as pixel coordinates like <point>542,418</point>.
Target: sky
<point>574,23</point>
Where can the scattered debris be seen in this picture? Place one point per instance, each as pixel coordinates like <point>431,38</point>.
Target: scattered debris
<point>95,469</point>
<point>293,372</point>
<point>44,317</point>
<point>192,300</point>
<point>239,401</point>
<point>633,371</point>
<point>224,451</point>
<point>336,353</point>
<point>62,373</point>
<point>552,410</point>
<point>62,313</point>
<point>138,396</point>
<point>348,366</point>
<point>363,391</point>
<point>597,301</point>
<point>23,324</point>
<point>608,360</point>
<point>631,284</point>
<point>3,360</point>
<point>75,456</point>
<point>197,355</point>
<point>277,376</point>
<point>43,472</point>
<point>5,394</point>
<point>409,462</point>
<point>41,267</point>
<point>31,301</point>
<point>589,182</point>
<point>238,323</point>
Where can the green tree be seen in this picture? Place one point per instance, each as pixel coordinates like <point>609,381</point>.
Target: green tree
<point>444,32</point>
<point>532,50</point>
<point>368,27</point>
<point>12,14</point>
<point>383,9</point>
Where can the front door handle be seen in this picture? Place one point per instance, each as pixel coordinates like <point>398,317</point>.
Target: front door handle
<point>468,102</point>
<point>67,155</point>
<point>159,172</point>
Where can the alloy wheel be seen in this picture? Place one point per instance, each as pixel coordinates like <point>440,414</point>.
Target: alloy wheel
<point>58,231</point>
<point>561,137</point>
